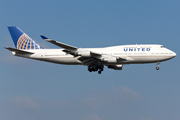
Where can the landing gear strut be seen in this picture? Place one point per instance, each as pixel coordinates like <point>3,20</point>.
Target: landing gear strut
<point>95,68</point>
<point>157,68</point>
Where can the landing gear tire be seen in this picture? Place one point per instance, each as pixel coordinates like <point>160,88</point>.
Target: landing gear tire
<point>94,68</point>
<point>157,68</point>
<point>89,70</point>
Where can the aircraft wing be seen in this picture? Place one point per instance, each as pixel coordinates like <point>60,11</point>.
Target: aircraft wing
<point>62,45</point>
<point>18,51</point>
<point>86,56</point>
<point>68,48</point>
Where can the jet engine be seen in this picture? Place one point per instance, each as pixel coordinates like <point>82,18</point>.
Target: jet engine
<point>110,60</point>
<point>115,67</point>
<point>84,53</point>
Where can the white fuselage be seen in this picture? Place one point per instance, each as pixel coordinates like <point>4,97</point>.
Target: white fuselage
<point>133,54</point>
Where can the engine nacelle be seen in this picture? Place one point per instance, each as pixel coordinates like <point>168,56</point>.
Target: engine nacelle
<point>110,60</point>
<point>115,67</point>
<point>84,53</point>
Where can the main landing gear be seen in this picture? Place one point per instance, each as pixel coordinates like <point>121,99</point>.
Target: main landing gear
<point>94,68</point>
<point>157,68</point>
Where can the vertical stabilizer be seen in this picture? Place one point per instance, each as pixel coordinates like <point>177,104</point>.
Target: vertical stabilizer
<point>21,40</point>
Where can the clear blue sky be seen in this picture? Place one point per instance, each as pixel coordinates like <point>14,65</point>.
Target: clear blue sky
<point>34,90</point>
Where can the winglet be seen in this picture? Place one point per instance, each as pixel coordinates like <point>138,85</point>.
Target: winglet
<point>43,37</point>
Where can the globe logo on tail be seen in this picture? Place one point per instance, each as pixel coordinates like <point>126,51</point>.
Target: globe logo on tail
<point>26,43</point>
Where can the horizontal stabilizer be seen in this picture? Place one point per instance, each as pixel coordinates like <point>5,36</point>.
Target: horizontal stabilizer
<point>18,51</point>
<point>62,45</point>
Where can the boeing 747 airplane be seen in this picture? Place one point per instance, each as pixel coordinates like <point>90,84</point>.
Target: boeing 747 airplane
<point>95,59</point>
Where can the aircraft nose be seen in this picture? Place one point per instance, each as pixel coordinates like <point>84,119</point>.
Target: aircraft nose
<point>174,54</point>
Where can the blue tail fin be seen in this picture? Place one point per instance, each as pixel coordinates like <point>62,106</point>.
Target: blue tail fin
<point>21,40</point>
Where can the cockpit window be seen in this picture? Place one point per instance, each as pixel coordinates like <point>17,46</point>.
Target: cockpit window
<point>162,46</point>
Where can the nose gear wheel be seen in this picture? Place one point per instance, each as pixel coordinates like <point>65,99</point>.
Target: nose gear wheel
<point>157,68</point>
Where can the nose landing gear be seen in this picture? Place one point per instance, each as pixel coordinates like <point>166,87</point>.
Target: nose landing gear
<point>157,68</point>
